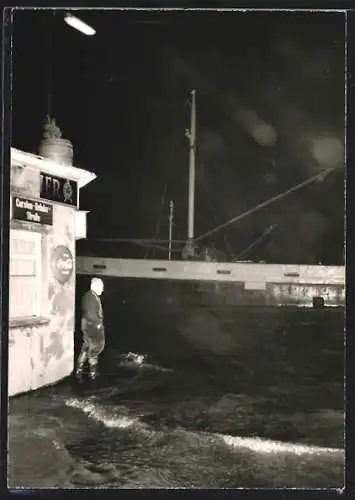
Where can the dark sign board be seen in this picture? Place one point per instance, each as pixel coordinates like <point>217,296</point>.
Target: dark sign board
<point>62,263</point>
<point>32,211</point>
<point>58,189</point>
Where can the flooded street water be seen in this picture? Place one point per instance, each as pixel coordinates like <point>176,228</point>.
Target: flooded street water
<point>222,399</point>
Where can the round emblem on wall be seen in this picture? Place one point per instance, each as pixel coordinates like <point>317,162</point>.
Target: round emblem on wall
<point>62,263</point>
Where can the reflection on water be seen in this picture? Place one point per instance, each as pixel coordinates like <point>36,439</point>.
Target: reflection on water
<point>172,409</point>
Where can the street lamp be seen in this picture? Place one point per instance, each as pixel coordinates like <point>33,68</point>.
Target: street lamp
<point>79,25</point>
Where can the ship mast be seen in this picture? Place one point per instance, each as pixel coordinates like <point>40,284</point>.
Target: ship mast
<point>189,250</point>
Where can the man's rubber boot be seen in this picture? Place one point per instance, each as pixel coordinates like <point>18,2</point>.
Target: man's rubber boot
<point>93,370</point>
<point>80,367</point>
<point>79,373</point>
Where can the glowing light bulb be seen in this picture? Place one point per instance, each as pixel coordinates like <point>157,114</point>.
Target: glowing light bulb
<point>79,25</point>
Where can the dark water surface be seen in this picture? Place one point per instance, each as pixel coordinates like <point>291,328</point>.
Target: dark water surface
<point>241,397</point>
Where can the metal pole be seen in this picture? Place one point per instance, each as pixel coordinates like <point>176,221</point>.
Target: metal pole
<point>171,218</point>
<point>51,30</point>
<point>192,139</point>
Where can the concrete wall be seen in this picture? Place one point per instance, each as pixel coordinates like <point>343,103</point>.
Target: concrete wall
<point>41,349</point>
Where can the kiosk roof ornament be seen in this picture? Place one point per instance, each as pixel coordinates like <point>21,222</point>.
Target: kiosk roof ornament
<point>51,129</point>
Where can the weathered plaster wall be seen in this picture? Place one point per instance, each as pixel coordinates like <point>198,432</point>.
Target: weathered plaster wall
<point>41,351</point>
<point>26,345</point>
<point>60,358</point>
<point>24,181</point>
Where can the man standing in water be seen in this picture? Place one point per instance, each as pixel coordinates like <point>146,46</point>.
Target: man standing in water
<point>92,328</point>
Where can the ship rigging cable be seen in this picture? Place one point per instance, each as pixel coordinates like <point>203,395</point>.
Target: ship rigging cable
<point>139,240</point>
<point>157,243</point>
<point>264,204</point>
<point>244,254</point>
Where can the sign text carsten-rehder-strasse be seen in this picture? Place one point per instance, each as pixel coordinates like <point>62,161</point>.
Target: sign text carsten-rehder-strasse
<point>28,210</point>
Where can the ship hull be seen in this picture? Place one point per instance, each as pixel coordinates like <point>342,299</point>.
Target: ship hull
<point>176,284</point>
<point>137,294</point>
<point>142,314</point>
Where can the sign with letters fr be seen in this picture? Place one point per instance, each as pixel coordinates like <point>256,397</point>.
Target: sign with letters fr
<point>58,189</point>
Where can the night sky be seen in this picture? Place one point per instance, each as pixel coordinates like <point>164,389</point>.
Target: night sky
<point>270,114</point>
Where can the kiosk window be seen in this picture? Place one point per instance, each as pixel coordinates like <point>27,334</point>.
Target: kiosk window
<point>25,274</point>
